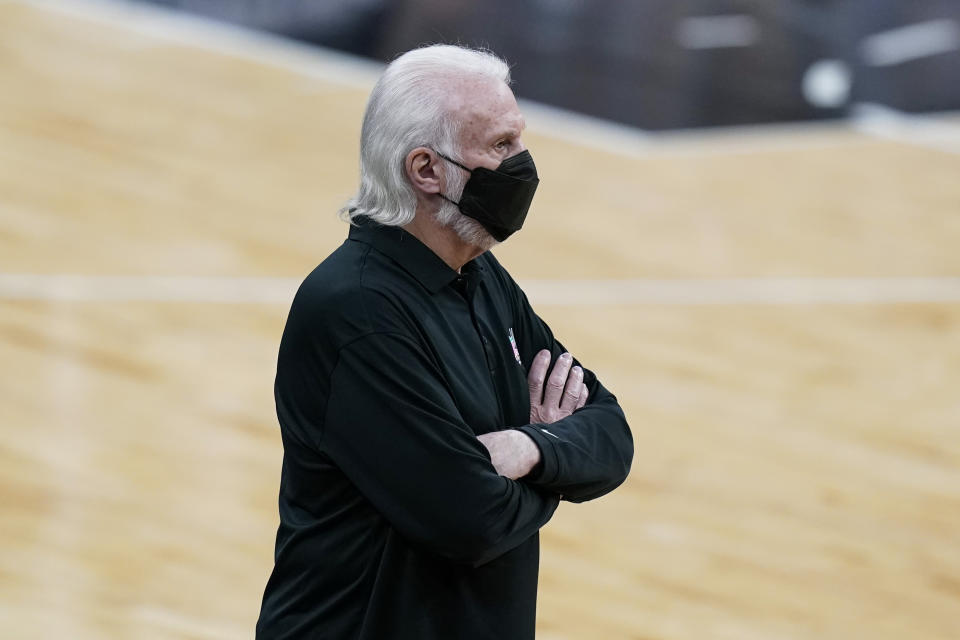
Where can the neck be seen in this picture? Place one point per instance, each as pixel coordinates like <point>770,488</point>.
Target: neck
<point>442,240</point>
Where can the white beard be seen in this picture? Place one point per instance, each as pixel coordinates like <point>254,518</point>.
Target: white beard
<point>466,228</point>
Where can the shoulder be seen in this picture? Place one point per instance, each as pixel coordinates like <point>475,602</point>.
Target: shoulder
<point>334,284</point>
<point>344,298</point>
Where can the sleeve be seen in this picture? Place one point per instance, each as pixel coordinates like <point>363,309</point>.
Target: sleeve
<point>589,453</point>
<point>392,427</point>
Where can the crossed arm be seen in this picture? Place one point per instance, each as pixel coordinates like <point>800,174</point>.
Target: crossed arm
<point>585,452</point>
<point>513,453</point>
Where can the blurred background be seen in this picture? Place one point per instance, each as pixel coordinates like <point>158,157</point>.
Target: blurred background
<point>660,64</point>
<point>776,304</point>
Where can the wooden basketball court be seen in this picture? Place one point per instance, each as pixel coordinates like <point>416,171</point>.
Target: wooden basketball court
<point>777,308</point>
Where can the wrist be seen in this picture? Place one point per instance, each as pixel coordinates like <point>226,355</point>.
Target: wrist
<point>530,451</point>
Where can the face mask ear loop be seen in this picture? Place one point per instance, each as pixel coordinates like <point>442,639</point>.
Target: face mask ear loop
<point>449,200</point>
<point>453,161</point>
<point>457,204</point>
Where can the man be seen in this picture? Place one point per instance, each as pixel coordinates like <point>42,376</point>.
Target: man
<point>425,442</point>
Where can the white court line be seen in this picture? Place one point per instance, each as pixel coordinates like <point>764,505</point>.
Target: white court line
<point>77,288</point>
<point>703,291</point>
<point>744,291</point>
<point>167,25</point>
<point>889,124</point>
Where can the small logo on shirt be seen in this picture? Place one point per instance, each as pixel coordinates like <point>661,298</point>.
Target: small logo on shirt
<point>513,345</point>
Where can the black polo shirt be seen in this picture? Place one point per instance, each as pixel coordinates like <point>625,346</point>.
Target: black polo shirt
<point>393,521</point>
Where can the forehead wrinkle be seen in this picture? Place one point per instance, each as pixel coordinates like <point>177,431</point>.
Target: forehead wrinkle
<point>457,102</point>
<point>484,108</point>
<point>513,126</point>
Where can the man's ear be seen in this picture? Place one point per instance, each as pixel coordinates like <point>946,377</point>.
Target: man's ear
<point>421,165</point>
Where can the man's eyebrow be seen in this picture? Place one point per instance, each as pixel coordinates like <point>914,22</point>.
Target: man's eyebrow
<point>511,130</point>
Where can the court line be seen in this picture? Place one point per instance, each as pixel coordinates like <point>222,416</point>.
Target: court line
<point>196,31</point>
<point>699,291</point>
<point>883,122</point>
<point>165,24</point>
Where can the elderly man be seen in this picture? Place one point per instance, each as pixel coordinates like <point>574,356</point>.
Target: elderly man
<point>426,436</point>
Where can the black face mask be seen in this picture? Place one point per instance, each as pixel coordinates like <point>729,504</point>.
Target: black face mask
<point>499,198</point>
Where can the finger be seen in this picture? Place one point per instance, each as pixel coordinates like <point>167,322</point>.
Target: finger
<point>536,376</point>
<point>584,392</point>
<point>557,381</point>
<point>572,391</point>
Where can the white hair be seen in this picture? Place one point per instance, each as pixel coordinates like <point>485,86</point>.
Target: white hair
<point>409,107</point>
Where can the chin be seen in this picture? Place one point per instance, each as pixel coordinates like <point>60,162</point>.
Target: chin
<point>471,232</point>
<point>467,229</point>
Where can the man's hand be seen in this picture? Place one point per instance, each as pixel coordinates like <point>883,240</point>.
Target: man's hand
<point>513,453</point>
<point>565,391</point>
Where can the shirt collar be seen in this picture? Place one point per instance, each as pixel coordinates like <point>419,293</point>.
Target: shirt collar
<point>406,250</point>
